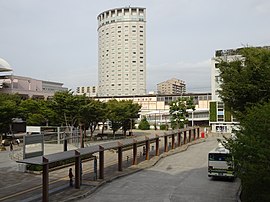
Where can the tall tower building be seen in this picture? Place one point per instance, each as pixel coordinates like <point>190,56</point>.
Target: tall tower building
<point>122,52</point>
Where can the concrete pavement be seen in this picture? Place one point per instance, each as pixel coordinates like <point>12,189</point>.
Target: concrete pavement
<point>88,187</point>
<point>179,177</point>
<point>13,182</point>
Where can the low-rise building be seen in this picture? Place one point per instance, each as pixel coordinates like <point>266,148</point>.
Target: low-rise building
<point>156,107</point>
<point>28,87</point>
<point>25,86</point>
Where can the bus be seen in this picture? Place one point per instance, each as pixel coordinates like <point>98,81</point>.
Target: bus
<point>220,163</point>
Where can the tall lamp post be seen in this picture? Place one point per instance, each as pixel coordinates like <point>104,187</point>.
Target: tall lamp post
<point>155,121</point>
<point>192,116</point>
<point>192,121</point>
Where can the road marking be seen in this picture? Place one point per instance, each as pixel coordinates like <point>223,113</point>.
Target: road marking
<point>10,186</point>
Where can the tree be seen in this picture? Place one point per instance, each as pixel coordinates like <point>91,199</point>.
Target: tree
<point>8,110</point>
<point>36,112</point>
<point>115,113</point>
<point>251,153</point>
<point>67,107</point>
<point>245,89</point>
<point>178,112</point>
<point>131,111</point>
<point>120,113</point>
<point>91,114</point>
<point>246,80</point>
<point>103,114</point>
<point>144,124</point>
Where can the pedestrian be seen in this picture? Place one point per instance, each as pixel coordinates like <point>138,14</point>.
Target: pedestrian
<point>11,146</point>
<point>18,142</point>
<point>70,175</point>
<point>144,151</point>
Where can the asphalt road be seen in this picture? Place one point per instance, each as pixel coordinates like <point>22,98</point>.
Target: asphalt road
<point>180,177</point>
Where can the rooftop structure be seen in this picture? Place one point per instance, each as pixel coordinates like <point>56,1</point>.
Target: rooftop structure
<point>88,91</point>
<point>4,66</point>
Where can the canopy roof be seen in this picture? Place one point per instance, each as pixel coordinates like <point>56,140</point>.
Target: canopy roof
<point>42,160</point>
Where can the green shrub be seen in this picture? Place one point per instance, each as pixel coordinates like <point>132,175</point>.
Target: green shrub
<point>2,148</point>
<point>228,114</point>
<point>144,124</point>
<point>163,127</point>
<point>213,111</point>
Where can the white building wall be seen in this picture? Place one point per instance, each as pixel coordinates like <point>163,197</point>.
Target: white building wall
<point>215,74</point>
<point>220,125</point>
<point>122,52</point>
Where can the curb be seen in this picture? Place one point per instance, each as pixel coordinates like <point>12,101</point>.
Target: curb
<point>239,192</point>
<point>138,169</point>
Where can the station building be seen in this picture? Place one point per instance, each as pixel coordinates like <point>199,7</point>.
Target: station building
<point>156,107</point>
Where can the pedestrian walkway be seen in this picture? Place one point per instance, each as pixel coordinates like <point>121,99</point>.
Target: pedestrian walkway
<point>10,177</point>
<point>88,187</point>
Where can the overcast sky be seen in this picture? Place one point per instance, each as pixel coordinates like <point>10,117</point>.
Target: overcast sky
<point>56,40</point>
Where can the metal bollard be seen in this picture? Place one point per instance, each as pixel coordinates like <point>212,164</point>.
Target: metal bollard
<point>95,169</point>
<point>65,144</point>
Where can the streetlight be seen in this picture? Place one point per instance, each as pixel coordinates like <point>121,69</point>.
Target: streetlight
<point>192,116</point>
<point>192,121</point>
<point>155,121</point>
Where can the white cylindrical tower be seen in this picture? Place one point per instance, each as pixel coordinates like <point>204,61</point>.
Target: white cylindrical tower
<point>122,52</point>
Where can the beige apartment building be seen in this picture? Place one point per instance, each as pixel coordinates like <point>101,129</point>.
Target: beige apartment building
<point>122,52</point>
<point>172,87</point>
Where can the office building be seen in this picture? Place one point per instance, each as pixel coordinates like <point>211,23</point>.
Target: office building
<point>122,52</point>
<point>172,86</point>
<point>221,120</point>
